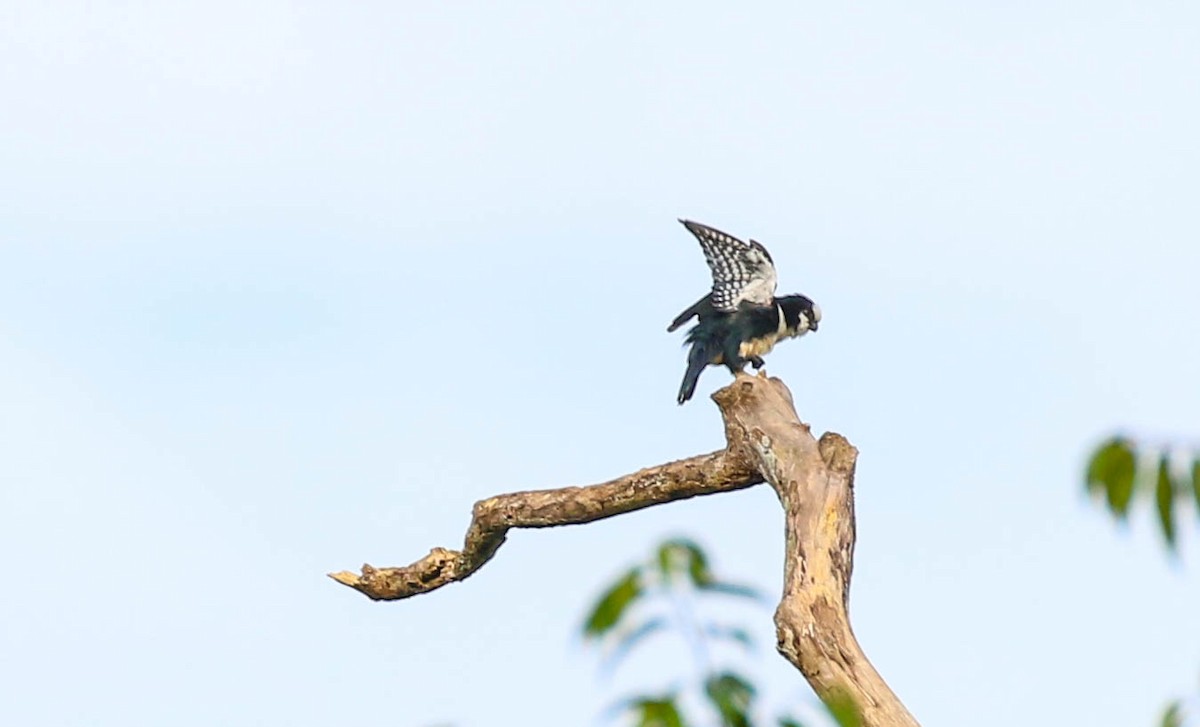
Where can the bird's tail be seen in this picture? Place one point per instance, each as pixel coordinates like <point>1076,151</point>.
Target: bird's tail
<point>698,308</point>
<point>697,360</point>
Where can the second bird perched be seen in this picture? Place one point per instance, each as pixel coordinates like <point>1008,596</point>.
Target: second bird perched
<point>741,320</point>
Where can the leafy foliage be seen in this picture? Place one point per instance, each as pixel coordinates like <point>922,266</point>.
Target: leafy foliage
<point>1164,498</point>
<point>1172,716</point>
<point>611,606</point>
<point>732,696</point>
<point>679,568</point>
<point>1111,471</point>
<point>1196,480</point>
<point>683,558</point>
<point>660,712</point>
<point>665,594</point>
<point>1120,468</point>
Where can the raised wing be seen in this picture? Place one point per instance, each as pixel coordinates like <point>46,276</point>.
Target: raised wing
<point>742,272</point>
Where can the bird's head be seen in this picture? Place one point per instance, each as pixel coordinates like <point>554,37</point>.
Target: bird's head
<point>800,314</point>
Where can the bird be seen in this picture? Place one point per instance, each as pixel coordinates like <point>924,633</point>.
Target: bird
<point>741,319</point>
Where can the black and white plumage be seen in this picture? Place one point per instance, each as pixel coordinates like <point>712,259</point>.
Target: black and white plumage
<point>742,273</point>
<point>740,320</point>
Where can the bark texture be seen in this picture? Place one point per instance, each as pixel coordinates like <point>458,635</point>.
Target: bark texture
<point>815,484</point>
<point>765,440</point>
<point>492,518</point>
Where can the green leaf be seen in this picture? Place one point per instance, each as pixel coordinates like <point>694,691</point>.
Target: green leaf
<point>786,721</point>
<point>1173,716</point>
<point>627,642</point>
<point>613,604</point>
<point>681,555</point>
<point>698,570</point>
<point>661,712</point>
<point>1111,471</point>
<point>731,633</point>
<point>732,696</point>
<point>1096,479</point>
<point>666,560</point>
<point>844,710</point>
<point>1164,497</point>
<point>1196,482</point>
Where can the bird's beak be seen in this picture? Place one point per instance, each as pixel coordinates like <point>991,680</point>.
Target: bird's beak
<point>812,326</point>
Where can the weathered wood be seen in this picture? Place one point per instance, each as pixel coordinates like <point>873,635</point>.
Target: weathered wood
<point>815,484</point>
<point>492,518</point>
<point>765,439</point>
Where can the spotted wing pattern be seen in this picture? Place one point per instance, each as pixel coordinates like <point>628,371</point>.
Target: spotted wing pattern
<point>742,272</point>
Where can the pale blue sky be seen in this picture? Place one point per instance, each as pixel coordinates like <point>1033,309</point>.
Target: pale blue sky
<point>287,286</point>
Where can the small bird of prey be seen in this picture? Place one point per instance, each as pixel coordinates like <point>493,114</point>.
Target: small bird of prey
<point>741,320</point>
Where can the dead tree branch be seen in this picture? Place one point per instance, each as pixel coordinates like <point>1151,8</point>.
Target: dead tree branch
<point>765,440</point>
<point>815,483</point>
<point>492,518</point>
